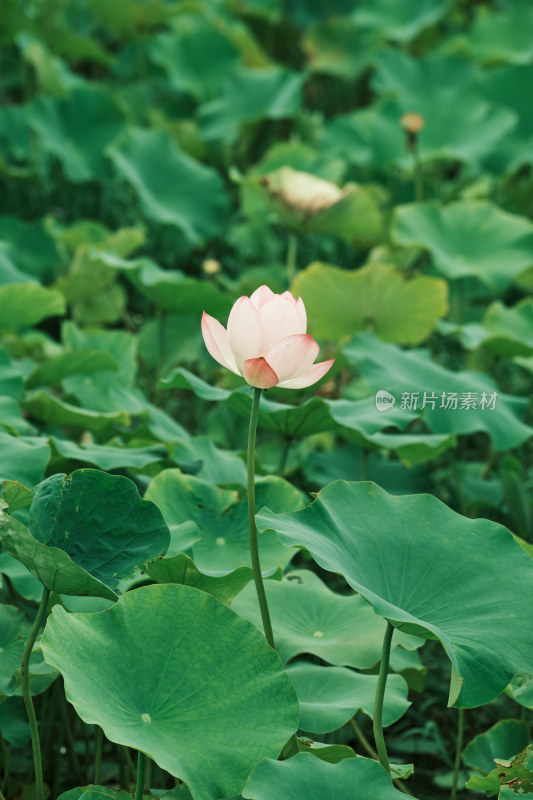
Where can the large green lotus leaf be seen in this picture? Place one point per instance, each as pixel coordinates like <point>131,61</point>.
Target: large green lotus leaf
<point>360,422</point>
<point>128,18</point>
<point>215,465</point>
<point>50,565</point>
<point>221,521</point>
<point>416,80</point>
<point>250,95</point>
<point>510,330</point>
<point>23,458</point>
<point>32,248</point>
<point>330,696</point>
<point>13,722</point>
<point>172,672</point>
<point>83,362</point>
<point>504,740</point>
<point>386,366</point>
<point>15,495</point>
<point>24,582</point>
<point>100,521</point>
<point>51,409</point>
<point>173,291</point>
<point>468,238</point>
<point>93,792</point>
<point>173,188</point>
<point>53,76</point>
<point>307,617</point>
<point>521,688</point>
<point>182,54</point>
<point>182,569</point>
<point>502,35</point>
<point>306,778</point>
<point>425,568</point>
<point>515,776</point>
<point>77,130</point>
<point>340,47</point>
<point>466,131</point>
<point>26,304</point>
<point>106,391</point>
<point>400,22</point>
<point>292,421</point>
<point>14,630</point>
<point>504,87</point>
<point>109,457</point>
<point>377,297</point>
<point>15,135</point>
<point>9,271</point>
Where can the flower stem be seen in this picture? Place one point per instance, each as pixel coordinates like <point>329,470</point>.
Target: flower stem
<point>26,694</point>
<point>141,767</point>
<point>458,753</point>
<point>380,694</point>
<point>98,747</point>
<point>419,186</point>
<point>292,250</point>
<point>284,456</point>
<point>362,739</point>
<point>254,549</point>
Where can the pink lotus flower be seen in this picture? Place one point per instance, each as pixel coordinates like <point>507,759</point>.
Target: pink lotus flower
<point>266,341</point>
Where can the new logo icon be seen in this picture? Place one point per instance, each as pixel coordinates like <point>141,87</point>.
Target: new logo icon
<point>384,400</point>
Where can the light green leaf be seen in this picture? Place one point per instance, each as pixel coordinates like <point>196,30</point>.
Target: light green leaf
<point>305,778</point>
<point>473,238</point>
<point>173,188</point>
<point>376,297</point>
<point>501,34</point>
<point>250,95</point>
<point>77,130</point>
<point>330,696</point>
<point>160,672</point>
<point>54,411</point>
<point>23,458</point>
<point>340,629</point>
<point>182,569</point>
<point>400,22</point>
<point>387,367</point>
<point>503,741</point>
<point>109,457</point>
<point>220,520</point>
<point>82,362</point>
<point>26,304</point>
<point>436,586</point>
<point>182,54</point>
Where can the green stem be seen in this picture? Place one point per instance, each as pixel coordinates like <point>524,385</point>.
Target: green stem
<point>380,694</point>
<point>458,753</point>
<point>26,694</point>
<point>292,250</point>
<point>254,549</point>
<point>70,737</point>
<point>362,739</point>
<point>419,186</point>
<point>98,747</point>
<point>284,456</point>
<point>141,767</point>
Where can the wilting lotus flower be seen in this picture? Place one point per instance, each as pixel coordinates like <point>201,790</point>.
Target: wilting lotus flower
<point>266,341</point>
<point>301,195</point>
